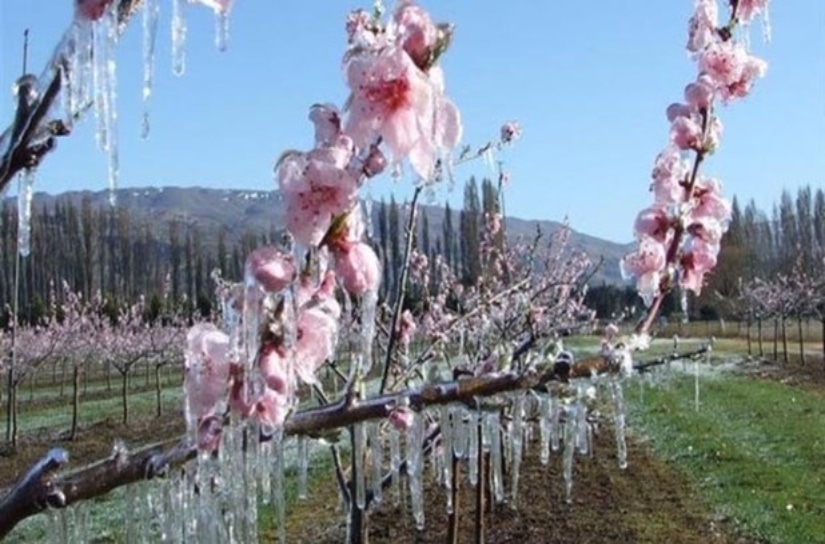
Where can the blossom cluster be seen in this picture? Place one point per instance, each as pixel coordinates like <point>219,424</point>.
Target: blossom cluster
<point>679,235</point>
<point>397,112</point>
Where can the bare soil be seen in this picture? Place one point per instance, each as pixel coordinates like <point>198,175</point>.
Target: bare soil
<point>647,502</point>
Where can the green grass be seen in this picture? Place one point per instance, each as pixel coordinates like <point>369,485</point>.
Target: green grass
<point>756,448</point>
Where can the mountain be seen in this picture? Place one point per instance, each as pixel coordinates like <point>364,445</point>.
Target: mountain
<point>263,211</point>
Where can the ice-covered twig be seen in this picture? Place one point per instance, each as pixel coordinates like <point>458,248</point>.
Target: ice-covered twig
<point>23,151</point>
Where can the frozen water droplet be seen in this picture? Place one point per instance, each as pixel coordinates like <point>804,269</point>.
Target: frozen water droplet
<point>178,37</point>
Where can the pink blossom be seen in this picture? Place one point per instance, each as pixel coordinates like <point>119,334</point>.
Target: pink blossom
<point>317,187</point>
<point>271,408</point>
<point>686,133</point>
<point>699,94</point>
<point>327,121</point>
<point>406,328</point>
<point>510,131</point>
<point>670,171</point>
<point>653,222</point>
<point>702,25</point>
<point>646,264</point>
<point>730,68</point>
<point>695,263</point>
<point>418,34</point>
<point>709,202</point>
<point>746,10</point>
<point>401,418</point>
<point>357,266</point>
<point>209,433</point>
<point>206,378</point>
<point>271,268</point>
<point>272,363</point>
<point>395,101</point>
<point>92,10</point>
<point>317,337</point>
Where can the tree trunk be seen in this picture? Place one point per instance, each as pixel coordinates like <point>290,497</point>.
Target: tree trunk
<point>11,403</point>
<point>124,391</point>
<point>759,332</point>
<point>159,411</point>
<point>750,350</point>
<point>801,339</point>
<point>75,401</point>
<point>784,339</point>
<point>776,339</point>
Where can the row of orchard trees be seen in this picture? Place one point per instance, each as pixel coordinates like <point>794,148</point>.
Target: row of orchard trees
<point>783,301</point>
<point>80,337</point>
<point>121,253</point>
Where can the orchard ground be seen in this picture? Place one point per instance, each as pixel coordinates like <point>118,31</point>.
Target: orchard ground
<point>745,467</point>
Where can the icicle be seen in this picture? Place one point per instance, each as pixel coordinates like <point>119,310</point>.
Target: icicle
<point>178,37</point>
<point>472,448</point>
<point>567,455</point>
<point>415,468</point>
<point>496,461</point>
<point>369,302</point>
<point>516,441</point>
<point>358,453</point>
<point>617,397</point>
<point>303,466</point>
<point>395,463</point>
<point>555,423</point>
<point>221,29</point>
<point>545,413</point>
<point>376,458</point>
<point>447,446</point>
<point>368,219</point>
<point>150,31</point>
<point>459,433</point>
<point>582,444</point>
<point>25,194</point>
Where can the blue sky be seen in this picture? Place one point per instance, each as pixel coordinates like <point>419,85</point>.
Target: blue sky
<point>588,81</point>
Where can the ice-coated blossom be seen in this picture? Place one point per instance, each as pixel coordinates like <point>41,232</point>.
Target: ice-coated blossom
<point>91,10</point>
<point>206,377</point>
<point>270,268</point>
<point>510,131</point>
<point>361,28</point>
<point>686,132</point>
<point>327,121</point>
<point>401,418</point>
<point>702,25</point>
<point>317,187</point>
<point>698,260</point>
<point>646,264</point>
<point>392,99</point>
<point>271,408</point>
<point>406,328</point>
<point>653,222</point>
<point>730,68</point>
<point>357,267</point>
<point>709,202</point>
<point>746,10</point>
<point>417,32</point>
<point>670,171</point>
<point>273,361</point>
<point>699,93</point>
<point>317,337</point>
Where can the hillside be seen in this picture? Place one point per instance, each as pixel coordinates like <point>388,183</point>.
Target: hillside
<point>262,211</point>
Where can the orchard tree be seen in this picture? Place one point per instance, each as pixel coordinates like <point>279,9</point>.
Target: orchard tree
<point>490,358</point>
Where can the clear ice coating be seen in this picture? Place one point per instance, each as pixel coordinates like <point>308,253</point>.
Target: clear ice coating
<point>570,423</point>
<point>395,463</point>
<point>221,30</point>
<point>376,459</point>
<point>178,37</point>
<point>151,9</point>
<point>303,466</point>
<point>617,398</point>
<point>25,194</point>
<point>415,468</point>
<point>546,415</point>
<point>358,454</point>
<point>516,444</point>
